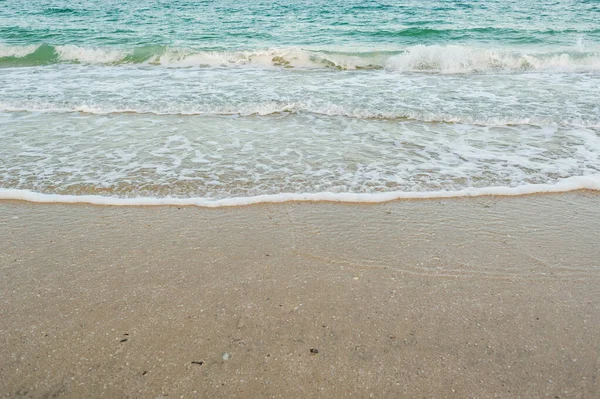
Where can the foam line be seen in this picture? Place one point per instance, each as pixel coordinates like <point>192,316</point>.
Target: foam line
<point>270,109</point>
<point>569,184</point>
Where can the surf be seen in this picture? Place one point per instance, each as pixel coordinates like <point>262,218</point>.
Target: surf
<point>444,59</point>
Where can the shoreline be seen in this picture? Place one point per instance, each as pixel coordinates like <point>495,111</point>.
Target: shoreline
<point>571,184</point>
<point>585,191</point>
<point>457,297</point>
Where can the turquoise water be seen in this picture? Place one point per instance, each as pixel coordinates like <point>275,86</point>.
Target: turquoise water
<point>141,30</point>
<point>222,99</point>
<point>253,24</point>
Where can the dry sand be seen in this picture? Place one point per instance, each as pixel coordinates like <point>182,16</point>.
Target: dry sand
<point>473,297</point>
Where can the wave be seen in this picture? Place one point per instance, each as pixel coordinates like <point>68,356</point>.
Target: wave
<point>331,110</point>
<point>527,35</point>
<point>419,58</point>
<point>565,185</point>
<point>60,10</point>
<point>462,59</point>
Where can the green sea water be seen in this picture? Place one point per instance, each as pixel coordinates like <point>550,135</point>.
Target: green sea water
<point>256,24</point>
<point>220,99</point>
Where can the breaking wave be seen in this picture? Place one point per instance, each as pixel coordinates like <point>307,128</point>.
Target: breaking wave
<point>420,58</point>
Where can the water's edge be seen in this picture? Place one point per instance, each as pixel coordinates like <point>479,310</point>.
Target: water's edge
<point>566,185</point>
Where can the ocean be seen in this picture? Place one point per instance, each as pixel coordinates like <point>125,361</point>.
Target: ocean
<point>223,102</point>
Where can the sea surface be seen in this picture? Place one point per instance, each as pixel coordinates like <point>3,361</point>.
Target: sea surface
<point>230,102</point>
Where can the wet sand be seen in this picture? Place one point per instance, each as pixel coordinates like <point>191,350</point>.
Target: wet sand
<point>471,297</point>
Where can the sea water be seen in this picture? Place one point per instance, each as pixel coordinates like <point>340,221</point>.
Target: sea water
<point>226,102</point>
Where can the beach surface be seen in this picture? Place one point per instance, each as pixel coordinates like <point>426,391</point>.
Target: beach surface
<point>464,297</point>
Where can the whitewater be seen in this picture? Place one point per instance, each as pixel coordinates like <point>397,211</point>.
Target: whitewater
<point>223,104</point>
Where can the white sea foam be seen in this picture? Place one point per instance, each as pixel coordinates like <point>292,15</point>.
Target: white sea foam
<point>214,158</point>
<point>16,51</point>
<point>265,58</point>
<point>419,58</point>
<point>569,184</point>
<point>462,59</point>
<point>72,53</point>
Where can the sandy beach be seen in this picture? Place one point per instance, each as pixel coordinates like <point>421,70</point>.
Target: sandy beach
<point>468,297</point>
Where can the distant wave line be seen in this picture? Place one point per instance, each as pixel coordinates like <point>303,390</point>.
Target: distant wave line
<point>277,109</point>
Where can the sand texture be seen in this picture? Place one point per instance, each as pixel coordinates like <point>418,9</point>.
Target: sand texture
<point>474,297</point>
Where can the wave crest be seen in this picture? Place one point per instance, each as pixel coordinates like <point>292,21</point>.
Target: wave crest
<point>420,58</point>
<point>461,59</point>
